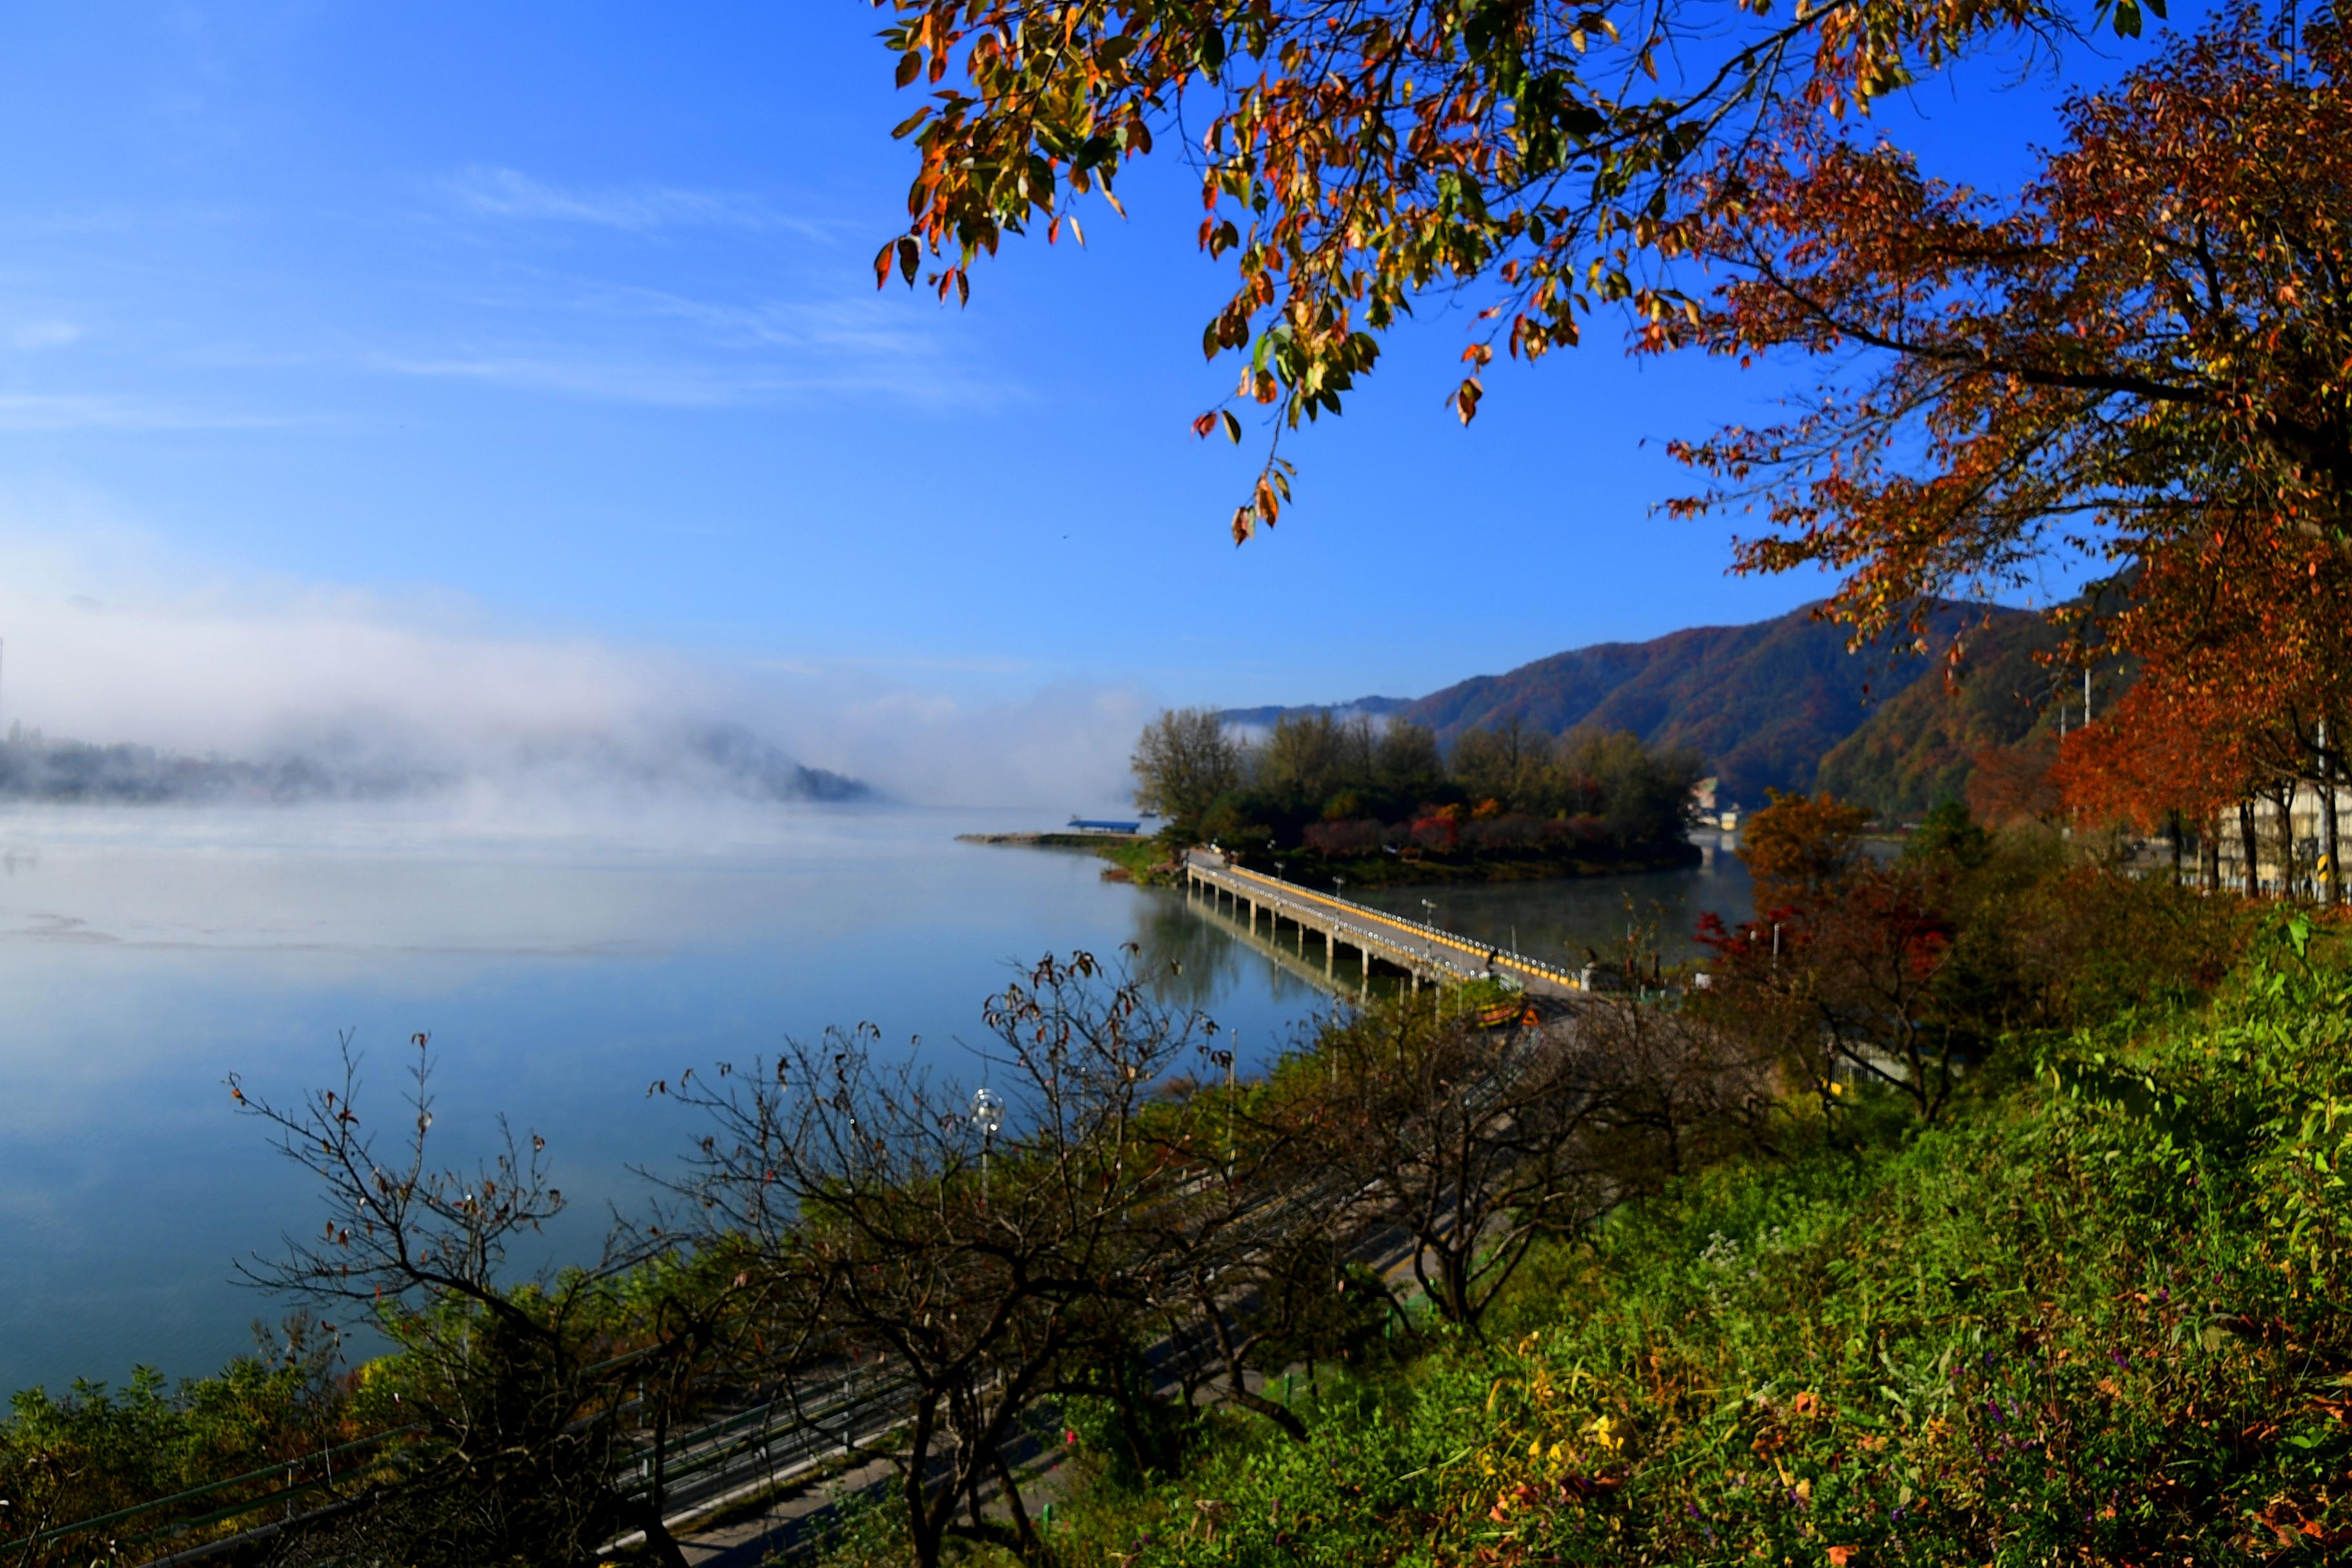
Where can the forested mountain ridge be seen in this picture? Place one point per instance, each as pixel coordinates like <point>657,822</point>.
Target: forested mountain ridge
<point>1920,745</point>
<point>1769,704</point>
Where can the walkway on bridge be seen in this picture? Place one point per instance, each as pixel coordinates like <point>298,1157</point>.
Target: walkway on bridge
<point>1424,951</point>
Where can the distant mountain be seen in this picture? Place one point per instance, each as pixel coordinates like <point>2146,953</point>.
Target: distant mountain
<point>753,768</point>
<point>1264,718</point>
<point>34,767</point>
<point>1766,704</point>
<point>706,759</point>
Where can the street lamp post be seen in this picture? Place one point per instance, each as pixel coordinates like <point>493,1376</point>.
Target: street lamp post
<point>988,1115</point>
<point>1230,1057</point>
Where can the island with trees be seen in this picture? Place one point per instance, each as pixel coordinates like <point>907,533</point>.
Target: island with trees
<point>1376,801</point>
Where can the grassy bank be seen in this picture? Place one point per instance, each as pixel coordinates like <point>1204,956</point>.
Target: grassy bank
<point>1133,858</point>
<point>2097,1315</point>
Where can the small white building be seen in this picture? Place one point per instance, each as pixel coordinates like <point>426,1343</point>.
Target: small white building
<point>1709,810</point>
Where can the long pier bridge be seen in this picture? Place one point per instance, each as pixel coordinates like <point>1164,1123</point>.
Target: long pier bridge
<point>1423,952</point>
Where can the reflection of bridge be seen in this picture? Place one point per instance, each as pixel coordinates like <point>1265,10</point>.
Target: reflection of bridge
<point>1291,954</point>
<point>1422,952</point>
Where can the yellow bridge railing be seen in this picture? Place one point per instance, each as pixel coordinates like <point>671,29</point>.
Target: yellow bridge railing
<point>1293,893</point>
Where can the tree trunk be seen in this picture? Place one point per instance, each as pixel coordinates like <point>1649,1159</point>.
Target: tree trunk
<point>2209,852</point>
<point>2177,827</point>
<point>2285,804</point>
<point>1029,1548</point>
<point>1238,1388</point>
<point>2251,848</point>
<point>659,1542</point>
<point>926,1524</point>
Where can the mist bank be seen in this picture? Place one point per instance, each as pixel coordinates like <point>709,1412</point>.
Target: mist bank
<point>692,761</point>
<point>183,683</point>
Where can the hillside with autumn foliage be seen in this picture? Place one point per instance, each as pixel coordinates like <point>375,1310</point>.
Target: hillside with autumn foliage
<point>1779,704</point>
<point>1924,744</point>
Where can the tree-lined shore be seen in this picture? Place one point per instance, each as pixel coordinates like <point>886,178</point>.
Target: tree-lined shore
<point>1374,802</point>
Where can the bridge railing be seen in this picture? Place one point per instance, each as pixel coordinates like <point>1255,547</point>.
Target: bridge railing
<point>1293,891</point>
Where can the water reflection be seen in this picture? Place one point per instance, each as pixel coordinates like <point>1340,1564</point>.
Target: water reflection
<point>560,967</point>
<point>559,970</point>
<point>1567,921</point>
<point>1198,955</point>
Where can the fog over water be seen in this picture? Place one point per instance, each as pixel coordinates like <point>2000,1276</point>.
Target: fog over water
<point>561,961</point>
<point>113,639</point>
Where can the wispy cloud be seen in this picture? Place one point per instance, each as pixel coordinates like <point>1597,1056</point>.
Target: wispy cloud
<point>90,411</point>
<point>614,380</point>
<point>863,327</point>
<point>46,334</point>
<point>685,382</point>
<point>659,349</point>
<point>641,209</point>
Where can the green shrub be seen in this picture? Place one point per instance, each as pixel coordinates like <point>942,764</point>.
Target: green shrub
<point>2099,1318</point>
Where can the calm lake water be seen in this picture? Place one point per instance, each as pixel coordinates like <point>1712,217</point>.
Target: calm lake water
<point>558,965</point>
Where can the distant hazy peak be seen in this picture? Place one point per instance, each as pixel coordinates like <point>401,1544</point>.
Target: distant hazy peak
<point>693,760</point>
<point>1264,718</point>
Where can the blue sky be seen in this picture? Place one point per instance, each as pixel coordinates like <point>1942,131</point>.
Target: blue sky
<point>554,325</point>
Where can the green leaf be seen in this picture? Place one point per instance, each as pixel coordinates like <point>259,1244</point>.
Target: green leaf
<point>1211,54</point>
